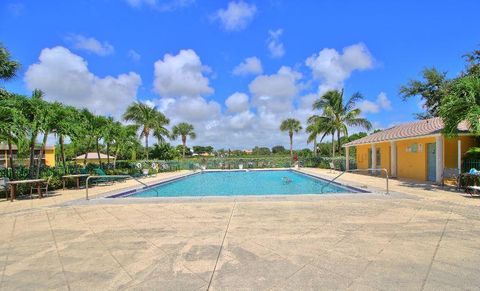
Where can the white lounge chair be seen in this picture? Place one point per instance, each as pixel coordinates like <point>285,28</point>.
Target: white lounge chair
<point>332,167</point>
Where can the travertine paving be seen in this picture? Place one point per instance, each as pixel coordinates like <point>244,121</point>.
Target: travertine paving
<point>417,238</point>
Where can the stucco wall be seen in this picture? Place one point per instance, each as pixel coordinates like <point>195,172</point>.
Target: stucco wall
<point>413,165</point>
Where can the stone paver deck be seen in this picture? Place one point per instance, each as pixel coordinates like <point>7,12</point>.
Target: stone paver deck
<point>418,238</point>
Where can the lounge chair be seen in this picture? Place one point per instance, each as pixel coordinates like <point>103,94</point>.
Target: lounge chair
<point>105,181</point>
<point>332,167</point>
<point>43,187</point>
<point>4,184</point>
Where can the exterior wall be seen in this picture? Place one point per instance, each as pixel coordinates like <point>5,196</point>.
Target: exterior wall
<point>451,149</point>
<point>362,156</point>
<point>413,165</point>
<point>50,157</point>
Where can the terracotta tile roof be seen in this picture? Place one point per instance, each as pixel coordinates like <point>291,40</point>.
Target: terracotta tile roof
<point>407,130</point>
<point>93,156</point>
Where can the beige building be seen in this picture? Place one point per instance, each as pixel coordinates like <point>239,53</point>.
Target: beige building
<point>92,158</point>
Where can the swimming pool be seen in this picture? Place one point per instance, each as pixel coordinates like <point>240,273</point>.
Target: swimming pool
<point>241,183</point>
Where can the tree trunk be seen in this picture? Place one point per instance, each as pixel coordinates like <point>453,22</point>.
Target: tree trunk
<point>333,144</point>
<point>86,153</point>
<point>315,147</point>
<point>98,153</point>
<point>31,165</point>
<point>42,152</point>
<point>184,142</point>
<point>146,146</point>
<point>10,153</point>
<point>291,145</point>
<point>117,151</point>
<point>339,144</point>
<point>108,153</point>
<point>62,154</point>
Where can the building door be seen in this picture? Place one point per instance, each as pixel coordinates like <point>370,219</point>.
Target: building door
<point>431,162</point>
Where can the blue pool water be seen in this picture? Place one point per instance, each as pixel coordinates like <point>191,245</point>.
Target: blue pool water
<point>241,183</point>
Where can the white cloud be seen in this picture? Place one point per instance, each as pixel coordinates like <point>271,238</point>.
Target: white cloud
<point>134,56</point>
<point>275,92</point>
<point>90,44</point>
<point>236,16</point>
<point>65,77</point>
<point>382,102</point>
<point>237,102</point>
<point>251,65</point>
<point>275,46</point>
<point>193,109</point>
<point>181,75</point>
<point>161,5</point>
<point>332,68</point>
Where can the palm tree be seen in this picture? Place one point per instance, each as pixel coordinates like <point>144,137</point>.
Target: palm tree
<point>34,109</point>
<point>50,117</point>
<point>99,128</point>
<point>341,115</point>
<point>66,126</point>
<point>8,67</point>
<point>292,126</point>
<point>148,119</point>
<point>184,130</point>
<point>318,125</point>
<point>125,138</point>
<point>85,132</point>
<point>13,124</point>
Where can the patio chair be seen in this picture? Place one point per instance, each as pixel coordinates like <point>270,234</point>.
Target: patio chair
<point>451,174</point>
<point>332,167</point>
<point>4,184</point>
<point>43,187</point>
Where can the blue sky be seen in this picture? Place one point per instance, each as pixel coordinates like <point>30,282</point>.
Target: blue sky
<point>185,57</point>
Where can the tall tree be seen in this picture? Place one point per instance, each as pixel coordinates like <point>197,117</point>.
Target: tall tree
<point>100,124</point>
<point>183,130</point>
<point>13,123</point>
<point>8,67</point>
<point>291,126</point>
<point>431,90</point>
<point>148,119</point>
<point>125,138</point>
<point>34,110</point>
<point>319,126</point>
<point>340,114</point>
<point>67,126</point>
<point>462,103</point>
<point>49,118</point>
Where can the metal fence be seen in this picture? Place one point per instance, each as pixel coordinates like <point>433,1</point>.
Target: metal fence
<point>469,164</point>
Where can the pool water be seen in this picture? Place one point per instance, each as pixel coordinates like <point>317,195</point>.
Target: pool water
<point>233,183</point>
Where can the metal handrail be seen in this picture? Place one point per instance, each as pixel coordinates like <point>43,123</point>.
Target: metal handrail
<point>112,176</point>
<point>359,170</point>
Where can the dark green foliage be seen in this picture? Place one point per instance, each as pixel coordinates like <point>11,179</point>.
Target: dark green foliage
<point>430,89</point>
<point>261,151</point>
<point>462,103</point>
<point>202,149</point>
<point>164,151</point>
<point>279,150</point>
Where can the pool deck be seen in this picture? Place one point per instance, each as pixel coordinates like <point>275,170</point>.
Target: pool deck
<point>420,237</point>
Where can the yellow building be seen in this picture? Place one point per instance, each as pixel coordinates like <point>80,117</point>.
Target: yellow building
<point>92,158</point>
<point>415,150</point>
<point>48,157</point>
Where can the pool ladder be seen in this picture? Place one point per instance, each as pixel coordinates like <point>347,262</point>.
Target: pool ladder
<point>360,170</point>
